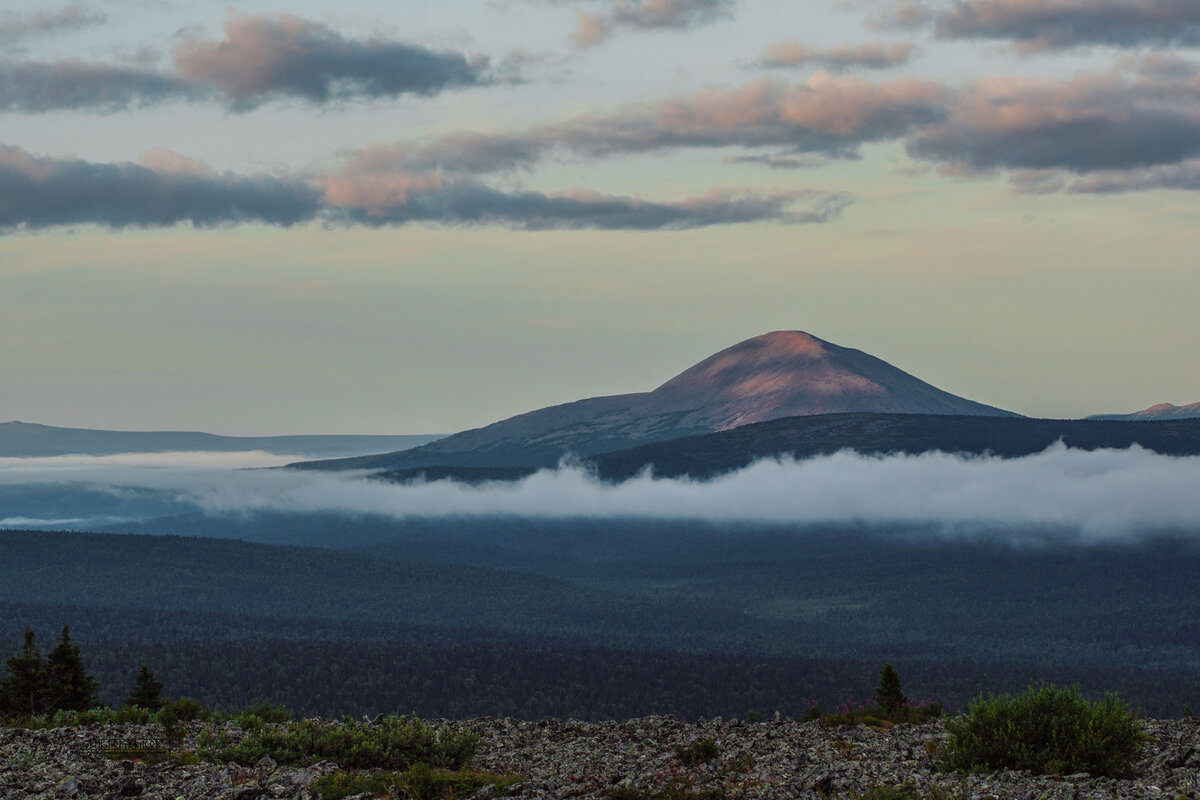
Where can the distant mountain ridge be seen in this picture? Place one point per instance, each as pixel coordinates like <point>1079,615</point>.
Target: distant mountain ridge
<point>31,440</point>
<point>779,374</point>
<point>1160,411</point>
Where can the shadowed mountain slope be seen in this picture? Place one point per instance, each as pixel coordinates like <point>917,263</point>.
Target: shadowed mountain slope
<point>780,374</point>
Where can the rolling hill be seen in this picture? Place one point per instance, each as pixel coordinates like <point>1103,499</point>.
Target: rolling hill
<point>1160,411</point>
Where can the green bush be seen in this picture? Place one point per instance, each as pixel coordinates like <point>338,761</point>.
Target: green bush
<point>394,743</point>
<point>700,751</point>
<point>419,782</point>
<point>1047,730</point>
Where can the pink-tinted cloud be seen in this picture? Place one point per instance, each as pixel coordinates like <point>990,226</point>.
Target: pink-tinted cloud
<point>645,15</point>
<point>870,55</point>
<point>826,114</point>
<point>260,59</point>
<point>1088,123</point>
<point>263,58</point>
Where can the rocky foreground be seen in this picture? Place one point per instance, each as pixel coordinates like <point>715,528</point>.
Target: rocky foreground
<point>570,759</point>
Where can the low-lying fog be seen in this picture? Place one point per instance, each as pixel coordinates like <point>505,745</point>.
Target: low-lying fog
<point>1104,495</point>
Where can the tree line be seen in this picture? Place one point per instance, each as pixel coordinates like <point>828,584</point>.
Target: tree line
<point>33,685</point>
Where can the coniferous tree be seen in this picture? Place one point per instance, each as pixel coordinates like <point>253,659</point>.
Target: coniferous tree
<point>71,687</point>
<point>25,688</point>
<point>888,695</point>
<point>147,692</point>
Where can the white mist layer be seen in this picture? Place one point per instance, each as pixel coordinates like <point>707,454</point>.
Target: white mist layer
<point>1104,495</point>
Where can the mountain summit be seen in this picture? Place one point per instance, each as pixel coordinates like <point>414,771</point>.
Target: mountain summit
<point>792,373</point>
<point>780,374</point>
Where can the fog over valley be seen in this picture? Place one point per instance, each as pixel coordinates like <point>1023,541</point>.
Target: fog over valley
<point>1098,496</point>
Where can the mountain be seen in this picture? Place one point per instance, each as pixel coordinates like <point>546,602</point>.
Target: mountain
<point>30,440</point>
<point>780,374</point>
<point>879,434</point>
<point>1160,411</point>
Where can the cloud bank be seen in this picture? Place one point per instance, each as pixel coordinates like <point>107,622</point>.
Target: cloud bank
<point>1081,496</point>
<point>166,189</point>
<point>260,59</point>
<point>1054,24</point>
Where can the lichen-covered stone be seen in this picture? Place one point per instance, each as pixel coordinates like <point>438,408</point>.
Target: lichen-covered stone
<point>769,760</point>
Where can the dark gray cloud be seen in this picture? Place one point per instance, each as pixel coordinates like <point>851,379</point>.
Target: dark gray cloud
<point>870,55</point>
<point>260,59</point>
<point>266,58</point>
<point>30,86</point>
<point>645,15</point>
<point>166,189</point>
<point>1086,124</point>
<point>1050,24</point>
<point>39,192</point>
<point>14,27</point>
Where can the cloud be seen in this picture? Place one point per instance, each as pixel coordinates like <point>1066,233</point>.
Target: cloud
<point>871,55</point>
<point>267,58</point>
<point>38,192</point>
<point>31,86</point>
<point>1053,24</point>
<point>14,27</point>
<point>648,15</point>
<point>166,189</point>
<point>381,199</point>
<point>1106,495</point>
<point>259,60</point>
<point>1085,124</point>
<point>826,114</point>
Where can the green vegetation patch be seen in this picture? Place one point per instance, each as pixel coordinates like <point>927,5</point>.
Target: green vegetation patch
<point>394,743</point>
<point>1047,730</point>
<point>418,782</point>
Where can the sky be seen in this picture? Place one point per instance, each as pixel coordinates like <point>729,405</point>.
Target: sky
<point>424,217</point>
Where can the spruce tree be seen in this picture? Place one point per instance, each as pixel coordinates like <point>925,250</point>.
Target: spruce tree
<point>25,688</point>
<point>147,692</point>
<point>71,687</point>
<point>888,696</point>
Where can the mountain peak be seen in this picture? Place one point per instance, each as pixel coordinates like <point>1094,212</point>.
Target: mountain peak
<point>777,374</point>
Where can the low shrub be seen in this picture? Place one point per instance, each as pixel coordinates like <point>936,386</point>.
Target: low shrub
<point>700,751</point>
<point>419,782</point>
<point>1047,730</point>
<point>394,743</point>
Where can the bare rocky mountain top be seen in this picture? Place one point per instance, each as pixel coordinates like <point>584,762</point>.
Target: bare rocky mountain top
<point>571,759</point>
<point>1159,411</point>
<point>779,374</point>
